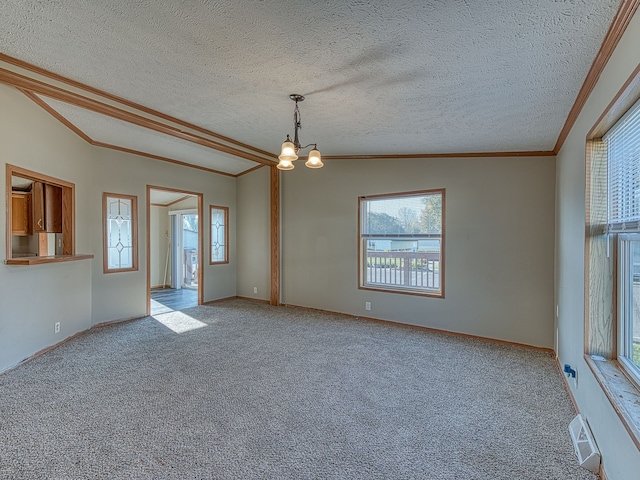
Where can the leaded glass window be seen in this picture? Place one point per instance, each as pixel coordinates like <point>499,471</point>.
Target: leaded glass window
<point>219,235</point>
<point>120,234</point>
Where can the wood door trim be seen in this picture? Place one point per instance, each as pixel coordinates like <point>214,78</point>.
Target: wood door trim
<point>8,231</point>
<point>275,235</point>
<point>200,207</point>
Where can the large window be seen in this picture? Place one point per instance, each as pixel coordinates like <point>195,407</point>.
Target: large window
<point>401,245</point>
<point>629,303</point>
<point>219,217</point>
<point>623,220</point>
<point>120,217</point>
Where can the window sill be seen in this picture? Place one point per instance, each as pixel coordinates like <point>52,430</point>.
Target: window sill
<point>621,392</point>
<point>41,260</point>
<point>405,291</point>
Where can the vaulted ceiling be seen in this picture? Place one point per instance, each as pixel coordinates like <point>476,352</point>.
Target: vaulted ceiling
<point>380,77</point>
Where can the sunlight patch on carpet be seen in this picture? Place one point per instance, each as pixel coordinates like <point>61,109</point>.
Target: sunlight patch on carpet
<point>158,308</point>
<point>179,322</point>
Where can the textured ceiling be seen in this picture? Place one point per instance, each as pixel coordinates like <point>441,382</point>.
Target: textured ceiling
<point>380,76</point>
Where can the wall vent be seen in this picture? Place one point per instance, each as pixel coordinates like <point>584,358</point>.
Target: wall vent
<point>584,444</point>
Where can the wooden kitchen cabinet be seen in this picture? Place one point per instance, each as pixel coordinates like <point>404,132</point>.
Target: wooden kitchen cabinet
<point>52,205</point>
<point>21,213</point>
<point>47,208</point>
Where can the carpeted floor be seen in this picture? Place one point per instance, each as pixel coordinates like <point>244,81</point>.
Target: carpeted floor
<point>247,391</point>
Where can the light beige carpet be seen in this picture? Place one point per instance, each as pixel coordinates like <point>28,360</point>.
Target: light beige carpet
<point>246,390</point>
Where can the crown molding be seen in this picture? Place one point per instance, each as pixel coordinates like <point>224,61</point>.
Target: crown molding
<point>45,106</point>
<point>623,16</point>
<point>158,157</point>
<point>535,153</point>
<point>136,106</point>
<point>625,13</point>
<point>250,170</point>
<point>41,88</point>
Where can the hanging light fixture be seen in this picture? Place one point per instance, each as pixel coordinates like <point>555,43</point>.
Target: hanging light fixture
<point>291,148</point>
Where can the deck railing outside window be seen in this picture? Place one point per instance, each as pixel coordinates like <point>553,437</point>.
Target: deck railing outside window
<point>408,269</point>
<point>402,242</point>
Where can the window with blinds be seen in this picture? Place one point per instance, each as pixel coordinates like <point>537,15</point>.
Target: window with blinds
<point>623,222</point>
<point>623,158</point>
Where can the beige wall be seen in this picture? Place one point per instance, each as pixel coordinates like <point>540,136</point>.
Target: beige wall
<point>159,243</point>
<point>621,458</point>
<point>253,230</point>
<point>129,289</point>
<point>79,294</point>
<point>33,298</point>
<point>499,243</point>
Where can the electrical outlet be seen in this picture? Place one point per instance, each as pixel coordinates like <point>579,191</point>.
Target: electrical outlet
<point>56,327</point>
<point>255,289</point>
<point>367,306</point>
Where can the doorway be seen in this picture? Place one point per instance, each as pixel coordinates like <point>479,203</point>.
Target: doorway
<point>182,261</point>
<point>174,250</point>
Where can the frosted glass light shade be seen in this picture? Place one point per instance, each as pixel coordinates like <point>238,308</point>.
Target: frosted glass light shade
<point>288,152</point>
<point>285,164</point>
<point>315,160</point>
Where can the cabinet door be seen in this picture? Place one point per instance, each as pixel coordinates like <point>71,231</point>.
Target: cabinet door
<point>20,214</point>
<point>47,208</point>
<point>53,208</point>
<point>37,199</point>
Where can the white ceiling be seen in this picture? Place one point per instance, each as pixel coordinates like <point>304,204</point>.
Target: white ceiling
<point>165,197</point>
<point>380,76</point>
<point>118,132</point>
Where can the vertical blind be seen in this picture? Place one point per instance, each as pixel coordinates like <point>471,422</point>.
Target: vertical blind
<point>623,161</point>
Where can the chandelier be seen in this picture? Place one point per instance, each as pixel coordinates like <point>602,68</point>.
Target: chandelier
<point>290,148</point>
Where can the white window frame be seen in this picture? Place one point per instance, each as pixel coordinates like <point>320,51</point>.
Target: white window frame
<point>622,142</point>
<point>625,305</point>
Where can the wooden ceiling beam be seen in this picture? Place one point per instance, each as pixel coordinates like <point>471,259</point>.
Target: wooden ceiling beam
<point>37,87</point>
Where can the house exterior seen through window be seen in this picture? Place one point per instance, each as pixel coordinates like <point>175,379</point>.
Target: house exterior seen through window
<point>402,242</point>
